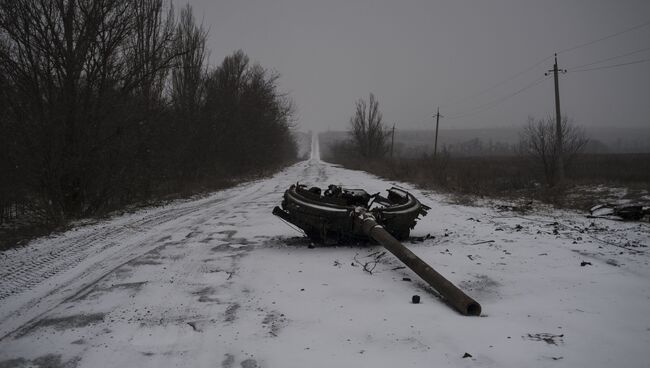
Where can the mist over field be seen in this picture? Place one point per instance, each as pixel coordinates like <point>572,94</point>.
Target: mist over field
<point>500,141</point>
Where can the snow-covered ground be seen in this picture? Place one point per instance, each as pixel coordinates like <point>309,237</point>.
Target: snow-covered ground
<point>220,282</point>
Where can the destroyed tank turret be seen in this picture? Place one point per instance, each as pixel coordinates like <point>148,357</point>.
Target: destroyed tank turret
<point>339,214</point>
<point>328,215</point>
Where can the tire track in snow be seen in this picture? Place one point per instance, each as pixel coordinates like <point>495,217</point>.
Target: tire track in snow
<point>47,272</point>
<point>69,252</point>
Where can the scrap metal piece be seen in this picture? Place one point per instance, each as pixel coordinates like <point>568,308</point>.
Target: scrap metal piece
<point>628,212</point>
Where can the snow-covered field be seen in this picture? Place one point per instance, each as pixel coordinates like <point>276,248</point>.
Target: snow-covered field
<point>220,282</point>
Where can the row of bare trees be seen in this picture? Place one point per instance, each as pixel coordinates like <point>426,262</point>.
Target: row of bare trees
<point>369,140</point>
<point>110,102</point>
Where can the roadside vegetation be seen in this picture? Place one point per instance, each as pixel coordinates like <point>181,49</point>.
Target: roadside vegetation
<point>528,173</point>
<point>109,104</point>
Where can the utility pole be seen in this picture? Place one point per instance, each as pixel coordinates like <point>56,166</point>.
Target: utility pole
<point>558,123</point>
<point>392,141</point>
<point>435,146</point>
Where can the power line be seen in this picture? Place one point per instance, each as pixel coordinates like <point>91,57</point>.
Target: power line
<point>611,66</point>
<point>479,93</point>
<point>610,58</point>
<point>482,92</point>
<point>480,109</point>
<point>605,38</point>
<point>488,106</point>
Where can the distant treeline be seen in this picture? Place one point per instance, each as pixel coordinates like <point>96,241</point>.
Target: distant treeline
<point>514,176</point>
<point>500,141</point>
<point>111,102</point>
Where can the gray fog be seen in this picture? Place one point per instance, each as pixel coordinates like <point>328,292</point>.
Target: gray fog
<point>479,61</point>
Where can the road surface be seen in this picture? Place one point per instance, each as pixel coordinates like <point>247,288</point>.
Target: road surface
<point>220,282</point>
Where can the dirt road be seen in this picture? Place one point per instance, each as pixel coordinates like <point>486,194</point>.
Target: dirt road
<point>220,282</point>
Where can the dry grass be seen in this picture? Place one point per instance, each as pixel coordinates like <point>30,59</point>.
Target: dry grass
<point>517,177</point>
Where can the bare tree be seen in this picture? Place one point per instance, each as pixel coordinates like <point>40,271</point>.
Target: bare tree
<point>369,135</point>
<point>249,120</point>
<point>150,54</point>
<point>224,89</point>
<point>187,90</point>
<point>64,68</point>
<point>189,72</point>
<point>105,103</point>
<point>149,57</point>
<point>538,140</point>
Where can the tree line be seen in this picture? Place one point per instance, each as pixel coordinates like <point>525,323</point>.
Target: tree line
<point>111,102</point>
<point>369,140</point>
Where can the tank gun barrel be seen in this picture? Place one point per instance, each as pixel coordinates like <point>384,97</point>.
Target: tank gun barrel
<point>451,294</point>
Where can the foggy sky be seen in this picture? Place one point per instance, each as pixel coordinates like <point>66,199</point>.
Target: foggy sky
<point>418,55</point>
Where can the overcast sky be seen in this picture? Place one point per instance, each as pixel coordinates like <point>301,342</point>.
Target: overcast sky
<point>418,55</point>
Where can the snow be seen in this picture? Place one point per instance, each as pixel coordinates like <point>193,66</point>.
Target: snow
<point>221,282</point>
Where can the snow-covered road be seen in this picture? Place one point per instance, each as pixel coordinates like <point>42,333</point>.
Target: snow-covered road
<point>220,282</point>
